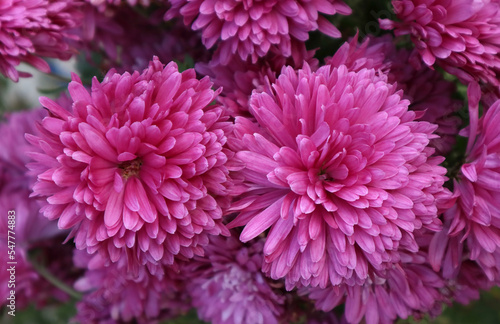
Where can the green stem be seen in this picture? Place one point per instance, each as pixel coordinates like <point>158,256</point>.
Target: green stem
<point>45,273</point>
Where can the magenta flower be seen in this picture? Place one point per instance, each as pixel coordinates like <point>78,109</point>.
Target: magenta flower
<point>473,222</point>
<point>226,285</point>
<point>340,172</point>
<point>30,30</point>
<point>113,295</point>
<point>250,29</point>
<point>136,168</point>
<point>426,89</point>
<point>407,289</point>
<point>458,35</point>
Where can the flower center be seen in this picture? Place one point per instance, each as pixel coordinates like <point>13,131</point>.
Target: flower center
<point>130,168</point>
<point>323,176</point>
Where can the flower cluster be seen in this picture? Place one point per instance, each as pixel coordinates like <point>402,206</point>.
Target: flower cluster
<point>238,161</point>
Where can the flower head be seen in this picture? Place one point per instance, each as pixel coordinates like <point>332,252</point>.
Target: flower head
<point>137,167</point>
<point>227,286</point>
<point>473,222</point>
<point>31,30</point>
<point>339,170</point>
<point>250,29</point>
<point>458,35</point>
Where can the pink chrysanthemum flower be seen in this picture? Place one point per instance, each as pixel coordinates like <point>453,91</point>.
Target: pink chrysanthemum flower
<point>30,30</point>
<point>250,29</point>
<point>113,295</point>
<point>340,172</point>
<point>226,285</point>
<point>134,166</point>
<point>473,222</point>
<point>128,40</point>
<point>426,89</point>
<point>239,78</point>
<point>410,288</point>
<point>458,35</point>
